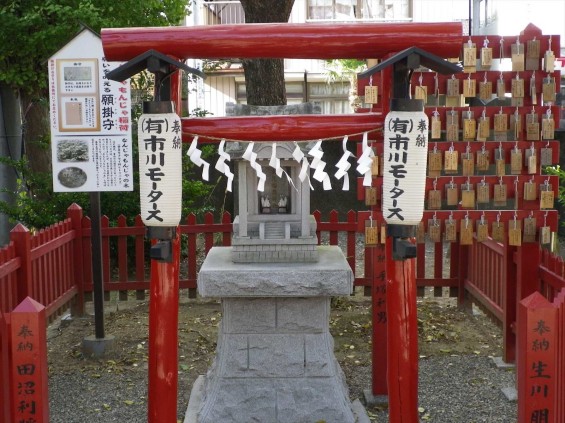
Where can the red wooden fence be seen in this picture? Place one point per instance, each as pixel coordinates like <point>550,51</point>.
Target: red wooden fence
<point>53,265</point>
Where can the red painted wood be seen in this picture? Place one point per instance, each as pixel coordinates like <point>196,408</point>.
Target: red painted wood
<point>334,218</point>
<point>375,267</point>
<point>139,256</point>
<point>438,266</point>
<point>280,128</point>
<point>402,340</point>
<point>208,236</point>
<point>559,304</point>
<point>226,235</point>
<point>20,236</point>
<point>351,241</point>
<point>283,40</point>
<point>30,399</point>
<point>536,361</point>
<point>509,304</point>
<point>87,251</point>
<point>122,257</point>
<point>105,224</point>
<point>163,338</point>
<point>191,240</point>
<point>528,261</point>
<point>5,403</point>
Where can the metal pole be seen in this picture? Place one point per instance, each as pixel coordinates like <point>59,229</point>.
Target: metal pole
<point>97,282</point>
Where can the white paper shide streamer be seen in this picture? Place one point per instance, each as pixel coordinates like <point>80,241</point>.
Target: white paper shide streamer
<point>343,165</point>
<point>160,169</point>
<point>222,166</point>
<point>195,156</point>
<point>365,161</point>
<point>405,163</point>
<point>318,165</point>
<point>275,163</point>
<point>251,157</point>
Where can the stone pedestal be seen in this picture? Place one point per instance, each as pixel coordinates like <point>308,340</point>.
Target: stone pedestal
<point>275,360</point>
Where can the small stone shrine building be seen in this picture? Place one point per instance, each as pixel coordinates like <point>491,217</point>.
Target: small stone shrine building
<point>273,226</point>
<point>274,361</point>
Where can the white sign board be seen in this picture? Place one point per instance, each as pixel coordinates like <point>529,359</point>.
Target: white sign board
<point>404,178</point>
<point>90,120</point>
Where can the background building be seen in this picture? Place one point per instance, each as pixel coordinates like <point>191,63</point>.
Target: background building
<point>307,80</point>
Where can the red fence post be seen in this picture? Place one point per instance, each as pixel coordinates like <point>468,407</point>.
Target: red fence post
<point>30,399</point>
<point>4,368</point>
<point>191,255</point>
<point>536,361</point>
<point>559,304</point>
<point>528,260</point>
<point>21,238</point>
<point>509,303</point>
<point>74,212</point>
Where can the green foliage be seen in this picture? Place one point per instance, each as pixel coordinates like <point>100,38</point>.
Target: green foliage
<point>343,69</point>
<point>556,170</point>
<point>34,204</point>
<point>37,206</point>
<point>33,30</point>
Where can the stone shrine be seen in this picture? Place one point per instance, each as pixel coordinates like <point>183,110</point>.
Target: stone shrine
<point>274,361</point>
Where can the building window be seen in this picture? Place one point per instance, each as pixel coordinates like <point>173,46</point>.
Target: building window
<point>332,98</point>
<point>486,12</point>
<point>359,9</point>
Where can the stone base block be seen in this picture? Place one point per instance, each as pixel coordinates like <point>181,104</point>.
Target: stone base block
<point>220,277</point>
<point>271,401</point>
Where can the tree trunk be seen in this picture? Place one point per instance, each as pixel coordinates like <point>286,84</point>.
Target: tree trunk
<point>36,132</point>
<point>264,78</point>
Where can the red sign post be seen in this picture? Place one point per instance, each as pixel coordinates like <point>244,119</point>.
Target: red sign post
<point>536,364</point>
<point>4,369</point>
<point>30,402</point>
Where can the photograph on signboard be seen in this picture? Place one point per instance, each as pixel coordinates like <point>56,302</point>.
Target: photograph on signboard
<point>72,150</point>
<point>78,95</point>
<point>72,177</point>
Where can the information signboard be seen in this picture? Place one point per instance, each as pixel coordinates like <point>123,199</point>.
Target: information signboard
<point>90,119</point>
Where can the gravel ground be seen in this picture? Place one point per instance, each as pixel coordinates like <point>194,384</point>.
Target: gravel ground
<point>462,389</point>
<point>453,387</point>
<point>458,381</point>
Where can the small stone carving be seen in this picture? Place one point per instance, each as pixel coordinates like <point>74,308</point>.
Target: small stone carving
<point>283,201</point>
<point>265,204</point>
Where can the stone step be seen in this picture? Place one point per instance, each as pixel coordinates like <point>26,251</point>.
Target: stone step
<point>274,230</point>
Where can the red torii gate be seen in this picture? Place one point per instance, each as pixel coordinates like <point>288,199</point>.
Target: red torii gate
<point>302,41</point>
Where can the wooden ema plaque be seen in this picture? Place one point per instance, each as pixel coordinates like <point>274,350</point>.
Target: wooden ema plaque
<point>536,359</point>
<point>371,233</point>
<point>30,402</point>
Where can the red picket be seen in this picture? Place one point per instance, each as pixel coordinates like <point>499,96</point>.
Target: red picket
<point>226,234</point>
<point>122,258</point>
<point>139,256</point>
<point>5,410</point>
<point>104,226</point>
<point>191,256</point>
<point>74,213</point>
<point>351,240</point>
<point>559,304</point>
<point>208,236</point>
<point>21,238</point>
<point>28,364</point>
